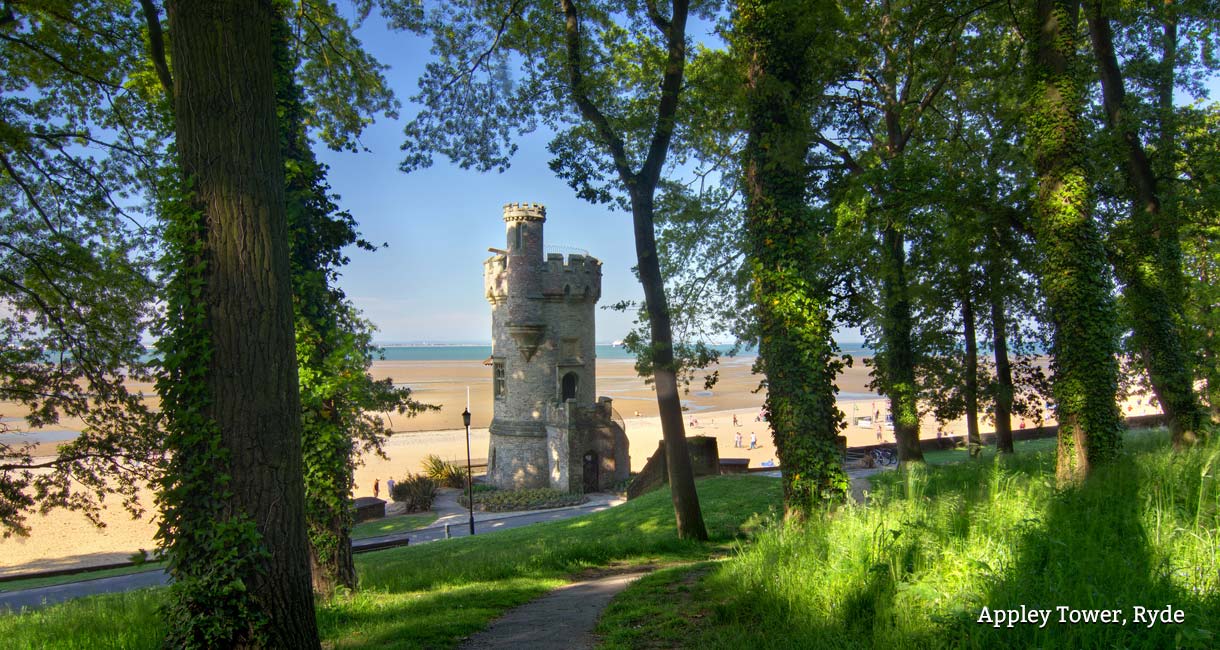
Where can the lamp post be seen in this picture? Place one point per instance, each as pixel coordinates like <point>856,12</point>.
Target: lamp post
<point>469,474</point>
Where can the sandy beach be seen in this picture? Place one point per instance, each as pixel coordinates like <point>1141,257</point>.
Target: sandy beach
<point>61,538</point>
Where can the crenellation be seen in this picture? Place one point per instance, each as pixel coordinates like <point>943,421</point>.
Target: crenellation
<point>524,212</point>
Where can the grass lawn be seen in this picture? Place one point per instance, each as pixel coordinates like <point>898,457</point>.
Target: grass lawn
<point>1037,445</point>
<point>433,595</point>
<point>916,568</point>
<point>391,525</point>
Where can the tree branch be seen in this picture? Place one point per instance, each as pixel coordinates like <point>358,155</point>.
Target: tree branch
<point>482,58</point>
<point>671,86</point>
<point>927,100</point>
<point>58,61</point>
<point>590,112</point>
<point>156,42</point>
<point>657,19</point>
<point>841,152</point>
<point>29,194</point>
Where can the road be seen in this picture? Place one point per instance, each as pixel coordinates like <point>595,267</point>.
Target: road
<point>451,516</point>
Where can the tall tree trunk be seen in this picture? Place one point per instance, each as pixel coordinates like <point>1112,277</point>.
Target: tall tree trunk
<point>1073,272</point>
<point>677,458</point>
<point>642,187</point>
<point>899,346</point>
<point>1003,370</point>
<point>971,387</point>
<point>225,120</point>
<point>795,349</point>
<point>1149,261</point>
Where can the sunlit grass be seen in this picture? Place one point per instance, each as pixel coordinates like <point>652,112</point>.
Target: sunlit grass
<point>392,525</point>
<point>915,568</point>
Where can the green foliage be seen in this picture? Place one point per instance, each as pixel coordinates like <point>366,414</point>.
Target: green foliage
<point>915,567</point>
<point>528,499</point>
<point>416,492</point>
<point>76,144</point>
<point>446,473</point>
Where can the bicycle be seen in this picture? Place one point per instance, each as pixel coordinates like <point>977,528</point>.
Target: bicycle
<point>884,457</point>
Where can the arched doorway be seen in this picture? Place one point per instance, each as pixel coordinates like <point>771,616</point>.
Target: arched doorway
<point>590,472</point>
<point>568,389</point>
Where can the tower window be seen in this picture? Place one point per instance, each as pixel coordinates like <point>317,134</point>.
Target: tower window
<point>570,382</point>
<point>499,380</point>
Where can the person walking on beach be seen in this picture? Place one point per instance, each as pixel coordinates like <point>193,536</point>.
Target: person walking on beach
<point>389,488</point>
<point>753,440</point>
<point>737,440</point>
<point>376,488</point>
<point>735,420</point>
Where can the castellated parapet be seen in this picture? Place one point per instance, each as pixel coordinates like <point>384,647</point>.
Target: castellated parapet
<point>548,429</point>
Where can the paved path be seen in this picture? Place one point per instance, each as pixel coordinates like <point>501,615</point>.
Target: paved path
<point>561,620</point>
<point>446,505</point>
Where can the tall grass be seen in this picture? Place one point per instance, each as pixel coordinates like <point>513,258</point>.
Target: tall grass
<point>916,568</point>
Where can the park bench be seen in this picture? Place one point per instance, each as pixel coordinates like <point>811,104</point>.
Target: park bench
<point>734,465</point>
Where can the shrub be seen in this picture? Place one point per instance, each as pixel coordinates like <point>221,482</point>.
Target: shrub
<point>416,491</point>
<point>532,499</point>
<point>446,473</point>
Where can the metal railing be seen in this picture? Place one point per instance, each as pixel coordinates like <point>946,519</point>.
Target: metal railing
<point>564,250</point>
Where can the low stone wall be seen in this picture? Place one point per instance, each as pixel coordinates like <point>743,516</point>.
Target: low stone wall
<point>705,461</point>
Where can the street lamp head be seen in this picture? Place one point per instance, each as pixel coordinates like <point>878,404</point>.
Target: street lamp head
<point>466,417</point>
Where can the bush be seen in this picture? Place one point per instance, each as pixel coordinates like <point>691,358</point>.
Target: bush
<point>446,473</point>
<point>533,499</point>
<point>416,491</point>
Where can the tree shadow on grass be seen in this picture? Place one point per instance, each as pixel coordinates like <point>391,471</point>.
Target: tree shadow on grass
<point>1092,552</point>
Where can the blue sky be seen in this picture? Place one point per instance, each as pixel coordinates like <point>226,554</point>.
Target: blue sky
<point>438,222</point>
<point>427,286</point>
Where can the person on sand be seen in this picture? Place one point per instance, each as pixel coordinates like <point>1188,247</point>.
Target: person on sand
<point>737,440</point>
<point>376,488</point>
<point>735,420</point>
<point>389,488</point>
<point>753,440</point>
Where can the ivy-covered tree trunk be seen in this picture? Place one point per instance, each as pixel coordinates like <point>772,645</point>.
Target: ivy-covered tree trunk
<point>777,40</point>
<point>327,447</point>
<point>970,387</point>
<point>896,329</point>
<point>1149,256</point>
<point>233,507</point>
<point>1073,272</point>
<point>1003,369</point>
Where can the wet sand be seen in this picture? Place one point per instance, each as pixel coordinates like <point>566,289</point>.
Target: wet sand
<point>62,538</point>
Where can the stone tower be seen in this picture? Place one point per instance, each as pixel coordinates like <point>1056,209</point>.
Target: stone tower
<point>548,427</point>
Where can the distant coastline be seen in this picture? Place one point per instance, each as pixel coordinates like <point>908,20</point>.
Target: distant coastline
<point>477,352</point>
